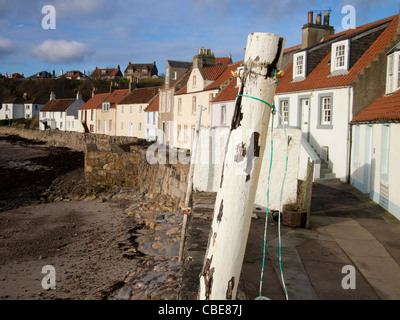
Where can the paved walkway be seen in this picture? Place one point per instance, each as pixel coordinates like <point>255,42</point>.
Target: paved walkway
<point>346,229</point>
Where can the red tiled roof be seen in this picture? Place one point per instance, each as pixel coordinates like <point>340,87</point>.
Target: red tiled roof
<point>182,91</point>
<point>154,105</point>
<point>95,101</point>
<point>384,108</point>
<point>36,101</point>
<point>287,50</point>
<point>140,95</point>
<point>108,73</point>
<point>115,97</point>
<point>223,60</point>
<point>320,77</point>
<point>214,71</point>
<point>58,105</point>
<point>229,93</point>
<point>225,76</point>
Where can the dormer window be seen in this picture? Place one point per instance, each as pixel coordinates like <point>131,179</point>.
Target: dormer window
<point>105,106</point>
<point>299,66</point>
<point>340,57</point>
<point>393,70</point>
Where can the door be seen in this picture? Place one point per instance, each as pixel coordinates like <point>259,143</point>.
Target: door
<point>130,133</point>
<point>367,160</point>
<point>305,118</point>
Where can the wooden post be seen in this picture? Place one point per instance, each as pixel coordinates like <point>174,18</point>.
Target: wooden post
<point>190,181</point>
<point>240,173</point>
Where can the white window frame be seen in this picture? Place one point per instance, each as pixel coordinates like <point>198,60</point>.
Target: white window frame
<point>105,106</point>
<point>174,75</point>
<point>179,105</point>
<point>393,72</point>
<point>326,114</point>
<point>223,115</point>
<point>299,70</point>
<point>122,126</point>
<point>344,66</point>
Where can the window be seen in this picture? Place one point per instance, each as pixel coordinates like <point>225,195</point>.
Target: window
<point>122,109</point>
<point>393,71</point>
<point>180,105</point>
<point>284,110</point>
<point>105,106</point>
<point>210,99</point>
<point>340,56</point>
<point>325,111</point>
<point>299,66</point>
<point>194,81</point>
<point>140,108</point>
<point>130,109</point>
<point>179,132</point>
<point>186,133</point>
<point>122,126</point>
<point>174,75</point>
<point>223,115</point>
<point>148,118</point>
<point>140,127</point>
<point>154,117</point>
<point>194,105</point>
<point>91,114</point>
<point>109,125</point>
<point>27,107</point>
<point>169,102</point>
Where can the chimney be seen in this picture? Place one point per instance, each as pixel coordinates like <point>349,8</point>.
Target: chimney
<point>78,96</point>
<point>93,91</point>
<point>204,57</point>
<point>130,85</point>
<point>62,72</point>
<point>52,96</point>
<point>25,95</point>
<point>313,33</point>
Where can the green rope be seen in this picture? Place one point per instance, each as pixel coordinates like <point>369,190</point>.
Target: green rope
<point>273,110</point>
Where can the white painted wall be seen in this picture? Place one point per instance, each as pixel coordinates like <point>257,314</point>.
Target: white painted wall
<point>151,125</point>
<point>209,160</point>
<point>335,138</point>
<point>216,113</point>
<point>366,165</point>
<point>12,111</point>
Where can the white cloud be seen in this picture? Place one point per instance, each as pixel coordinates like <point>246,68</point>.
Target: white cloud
<point>6,46</point>
<point>62,51</point>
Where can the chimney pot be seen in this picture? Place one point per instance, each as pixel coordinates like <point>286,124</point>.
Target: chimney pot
<point>319,18</point>
<point>326,19</point>
<point>310,17</point>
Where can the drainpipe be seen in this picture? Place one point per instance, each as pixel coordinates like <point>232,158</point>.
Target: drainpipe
<point>350,132</point>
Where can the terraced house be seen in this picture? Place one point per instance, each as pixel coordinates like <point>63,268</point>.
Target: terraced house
<point>324,88</point>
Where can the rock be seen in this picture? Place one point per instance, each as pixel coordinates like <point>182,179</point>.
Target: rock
<point>172,231</point>
<point>125,293</point>
<point>157,245</point>
<point>169,295</point>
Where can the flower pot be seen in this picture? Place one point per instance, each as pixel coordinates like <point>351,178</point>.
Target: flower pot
<point>293,218</point>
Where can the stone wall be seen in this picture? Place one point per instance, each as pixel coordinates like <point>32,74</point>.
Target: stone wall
<point>131,169</point>
<point>73,140</point>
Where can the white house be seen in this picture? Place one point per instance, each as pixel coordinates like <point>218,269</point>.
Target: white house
<point>12,109</point>
<point>32,107</point>
<point>376,143</point>
<point>151,122</point>
<point>61,114</point>
<point>317,93</point>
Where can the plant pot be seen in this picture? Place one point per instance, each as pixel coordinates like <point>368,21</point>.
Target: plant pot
<point>293,218</point>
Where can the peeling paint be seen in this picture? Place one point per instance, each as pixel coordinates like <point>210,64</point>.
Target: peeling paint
<point>221,209</point>
<point>229,291</point>
<point>207,274</point>
<point>253,151</point>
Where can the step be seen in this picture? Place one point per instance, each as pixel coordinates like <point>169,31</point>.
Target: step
<point>326,170</point>
<point>328,175</point>
<point>322,180</point>
<point>324,165</point>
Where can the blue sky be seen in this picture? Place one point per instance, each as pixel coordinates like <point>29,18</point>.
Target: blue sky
<point>108,33</point>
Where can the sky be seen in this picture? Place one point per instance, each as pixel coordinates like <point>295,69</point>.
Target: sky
<point>108,33</point>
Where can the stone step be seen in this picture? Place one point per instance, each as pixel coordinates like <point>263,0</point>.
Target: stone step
<point>324,165</point>
<point>325,170</point>
<point>322,180</point>
<point>328,175</point>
